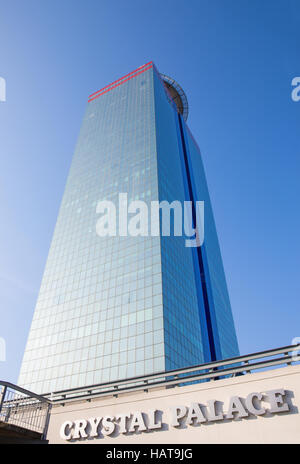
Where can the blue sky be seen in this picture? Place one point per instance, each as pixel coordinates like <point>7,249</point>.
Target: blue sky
<point>235,59</point>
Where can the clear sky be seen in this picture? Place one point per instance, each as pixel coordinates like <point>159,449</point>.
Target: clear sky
<point>235,59</point>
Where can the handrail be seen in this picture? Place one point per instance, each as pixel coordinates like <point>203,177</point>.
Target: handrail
<point>212,370</point>
<point>23,409</point>
<point>24,391</point>
<point>210,365</point>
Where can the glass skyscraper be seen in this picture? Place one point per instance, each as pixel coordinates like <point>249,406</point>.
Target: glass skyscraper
<point>118,306</point>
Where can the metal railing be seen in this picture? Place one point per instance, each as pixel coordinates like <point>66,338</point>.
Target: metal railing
<point>29,411</point>
<point>22,408</point>
<point>204,372</point>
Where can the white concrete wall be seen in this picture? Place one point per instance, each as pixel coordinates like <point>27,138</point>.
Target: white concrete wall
<point>278,427</point>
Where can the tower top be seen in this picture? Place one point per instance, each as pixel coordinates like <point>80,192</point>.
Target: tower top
<point>177,94</point>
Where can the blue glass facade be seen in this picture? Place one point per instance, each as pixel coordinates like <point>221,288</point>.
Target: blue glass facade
<point>121,306</point>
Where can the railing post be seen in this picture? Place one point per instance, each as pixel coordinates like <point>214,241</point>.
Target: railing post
<point>46,421</point>
<point>7,415</point>
<point>211,371</point>
<point>246,363</point>
<point>2,396</point>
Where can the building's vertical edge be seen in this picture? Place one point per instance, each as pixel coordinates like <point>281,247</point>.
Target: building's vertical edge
<point>185,342</point>
<point>86,112</point>
<point>208,342</point>
<point>209,311</point>
<point>157,196</point>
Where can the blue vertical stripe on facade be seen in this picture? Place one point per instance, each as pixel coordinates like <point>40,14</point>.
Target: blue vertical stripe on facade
<point>209,309</point>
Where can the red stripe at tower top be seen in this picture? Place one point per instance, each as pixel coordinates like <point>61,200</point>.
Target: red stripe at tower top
<point>120,81</point>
